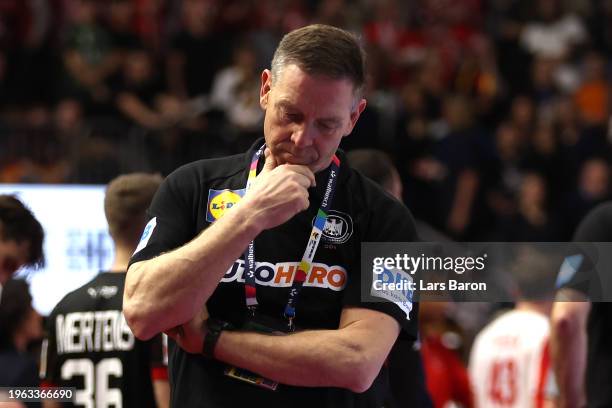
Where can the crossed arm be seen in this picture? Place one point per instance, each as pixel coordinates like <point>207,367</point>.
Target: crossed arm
<point>348,357</point>
<point>182,280</point>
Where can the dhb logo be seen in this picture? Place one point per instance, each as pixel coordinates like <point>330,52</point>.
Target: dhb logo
<point>338,227</point>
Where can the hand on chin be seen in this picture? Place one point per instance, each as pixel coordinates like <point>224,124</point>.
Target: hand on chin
<point>302,159</point>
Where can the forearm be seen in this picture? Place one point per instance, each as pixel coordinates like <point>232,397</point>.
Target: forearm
<point>170,290</point>
<point>182,280</point>
<point>568,347</point>
<point>569,368</point>
<point>316,358</point>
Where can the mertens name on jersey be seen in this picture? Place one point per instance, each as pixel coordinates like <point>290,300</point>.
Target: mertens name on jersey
<point>104,330</point>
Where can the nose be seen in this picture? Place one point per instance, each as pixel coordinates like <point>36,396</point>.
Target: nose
<point>303,135</point>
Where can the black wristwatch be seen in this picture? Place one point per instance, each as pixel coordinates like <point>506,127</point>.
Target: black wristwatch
<point>213,330</point>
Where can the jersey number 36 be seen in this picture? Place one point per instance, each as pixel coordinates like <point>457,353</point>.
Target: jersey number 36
<point>95,377</point>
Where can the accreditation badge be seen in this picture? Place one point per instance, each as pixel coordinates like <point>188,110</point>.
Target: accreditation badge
<point>251,378</point>
<point>262,324</point>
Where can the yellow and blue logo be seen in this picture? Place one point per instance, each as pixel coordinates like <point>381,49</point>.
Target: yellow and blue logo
<point>219,201</point>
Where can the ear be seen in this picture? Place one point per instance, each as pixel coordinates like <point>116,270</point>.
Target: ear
<point>355,115</point>
<point>266,84</point>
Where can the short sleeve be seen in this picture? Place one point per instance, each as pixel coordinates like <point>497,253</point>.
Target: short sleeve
<point>170,217</point>
<point>387,220</point>
<point>579,268</point>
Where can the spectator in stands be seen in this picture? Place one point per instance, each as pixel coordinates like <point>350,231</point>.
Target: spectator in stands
<point>478,76</point>
<point>522,115</point>
<point>88,56</point>
<point>592,97</point>
<point>503,177</point>
<point>234,91</point>
<point>552,33</point>
<point>120,25</point>
<point>593,188</point>
<point>386,35</point>
<point>459,153</point>
<point>337,13</point>
<point>197,51</point>
<point>413,154</point>
<point>544,83</point>
<point>4,85</point>
<point>138,92</point>
<point>575,142</point>
<point>532,220</point>
<point>545,157</point>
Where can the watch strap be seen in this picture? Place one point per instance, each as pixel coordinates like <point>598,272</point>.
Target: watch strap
<point>213,330</point>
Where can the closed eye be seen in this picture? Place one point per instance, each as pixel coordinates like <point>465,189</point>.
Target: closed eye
<point>293,117</point>
<point>327,126</point>
<point>290,117</point>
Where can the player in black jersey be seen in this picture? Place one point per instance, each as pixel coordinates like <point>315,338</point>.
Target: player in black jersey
<point>89,344</point>
<point>406,372</point>
<point>582,326</point>
<point>282,257</point>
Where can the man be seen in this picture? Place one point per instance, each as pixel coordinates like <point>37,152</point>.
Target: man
<point>90,345</point>
<point>253,261</point>
<point>510,360</point>
<point>581,325</point>
<point>406,373</point>
<point>21,238</point>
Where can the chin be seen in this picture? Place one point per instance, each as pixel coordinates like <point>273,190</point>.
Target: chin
<point>291,159</point>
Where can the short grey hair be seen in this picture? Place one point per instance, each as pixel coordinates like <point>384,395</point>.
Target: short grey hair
<point>321,49</point>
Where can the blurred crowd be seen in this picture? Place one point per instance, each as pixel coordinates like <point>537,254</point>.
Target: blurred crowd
<point>495,111</point>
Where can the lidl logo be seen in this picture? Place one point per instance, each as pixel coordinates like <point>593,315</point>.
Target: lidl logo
<point>219,201</point>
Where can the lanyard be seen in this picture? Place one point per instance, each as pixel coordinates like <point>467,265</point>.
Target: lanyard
<point>250,285</point>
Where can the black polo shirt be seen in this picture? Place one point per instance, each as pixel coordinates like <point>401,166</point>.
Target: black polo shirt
<point>596,227</point>
<point>197,194</point>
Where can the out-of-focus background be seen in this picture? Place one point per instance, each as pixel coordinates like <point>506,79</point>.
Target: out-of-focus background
<point>496,112</point>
